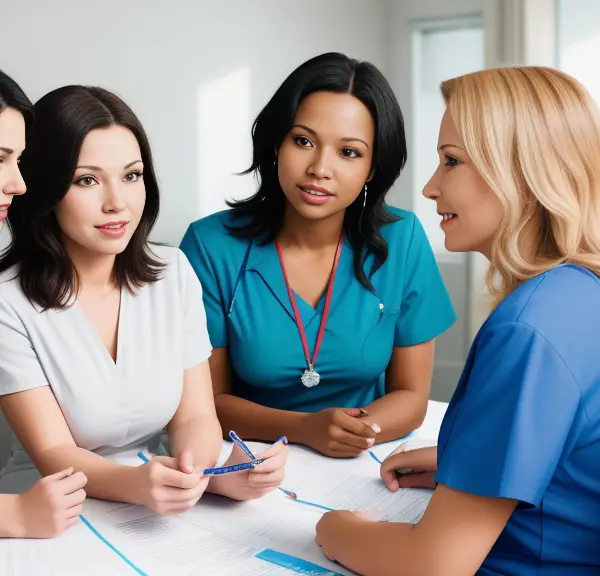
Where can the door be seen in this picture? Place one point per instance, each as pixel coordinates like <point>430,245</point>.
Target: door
<point>431,41</point>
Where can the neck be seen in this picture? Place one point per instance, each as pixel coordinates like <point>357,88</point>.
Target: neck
<point>303,233</point>
<point>94,271</point>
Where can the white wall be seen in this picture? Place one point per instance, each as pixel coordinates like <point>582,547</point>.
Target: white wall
<point>196,72</point>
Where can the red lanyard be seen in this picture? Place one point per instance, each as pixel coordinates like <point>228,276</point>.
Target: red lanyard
<point>326,307</point>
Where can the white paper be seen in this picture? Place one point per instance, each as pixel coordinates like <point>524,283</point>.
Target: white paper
<point>172,545</point>
<point>75,552</point>
<point>352,484</point>
<point>272,522</point>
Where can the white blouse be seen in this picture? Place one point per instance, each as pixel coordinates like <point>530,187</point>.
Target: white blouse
<point>113,409</point>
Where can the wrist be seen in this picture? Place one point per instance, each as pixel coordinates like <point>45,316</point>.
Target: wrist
<point>299,424</point>
<point>13,516</point>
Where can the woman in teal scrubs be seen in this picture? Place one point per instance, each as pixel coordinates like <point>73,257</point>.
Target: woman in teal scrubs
<point>517,467</point>
<point>323,302</point>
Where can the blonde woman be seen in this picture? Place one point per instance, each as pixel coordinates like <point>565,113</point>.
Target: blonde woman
<point>517,469</point>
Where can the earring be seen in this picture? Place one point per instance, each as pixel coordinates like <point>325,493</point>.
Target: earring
<point>365,200</point>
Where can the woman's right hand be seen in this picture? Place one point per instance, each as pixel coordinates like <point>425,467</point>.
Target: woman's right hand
<point>410,468</point>
<point>168,485</point>
<point>51,505</point>
<point>339,432</point>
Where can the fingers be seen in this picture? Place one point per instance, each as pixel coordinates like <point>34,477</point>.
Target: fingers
<point>164,475</point>
<point>422,459</point>
<point>349,439</point>
<point>59,475</point>
<point>186,462</point>
<point>72,483</point>
<point>338,450</point>
<point>274,458</point>
<point>74,512</point>
<point>71,522</point>
<point>422,480</point>
<point>357,426</point>
<point>74,499</point>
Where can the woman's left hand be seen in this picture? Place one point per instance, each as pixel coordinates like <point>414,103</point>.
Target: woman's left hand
<point>254,483</point>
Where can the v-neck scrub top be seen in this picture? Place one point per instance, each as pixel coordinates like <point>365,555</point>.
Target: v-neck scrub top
<point>524,423</point>
<point>249,312</point>
<point>113,409</point>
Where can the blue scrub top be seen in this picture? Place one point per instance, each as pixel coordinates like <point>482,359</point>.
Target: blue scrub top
<point>524,423</point>
<point>249,312</point>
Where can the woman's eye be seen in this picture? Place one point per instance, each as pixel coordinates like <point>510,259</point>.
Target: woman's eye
<point>302,141</point>
<point>351,153</point>
<point>85,181</point>
<point>133,176</point>
<point>451,162</point>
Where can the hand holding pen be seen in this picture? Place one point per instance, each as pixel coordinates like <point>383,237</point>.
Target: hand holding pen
<point>340,432</point>
<point>169,485</point>
<point>256,481</point>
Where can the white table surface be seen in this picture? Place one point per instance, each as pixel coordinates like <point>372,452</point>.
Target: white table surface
<point>24,557</point>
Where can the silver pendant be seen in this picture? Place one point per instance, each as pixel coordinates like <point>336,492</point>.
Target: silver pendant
<point>310,378</point>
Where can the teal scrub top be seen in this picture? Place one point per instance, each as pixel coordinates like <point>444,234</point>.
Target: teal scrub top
<point>524,423</point>
<point>249,312</point>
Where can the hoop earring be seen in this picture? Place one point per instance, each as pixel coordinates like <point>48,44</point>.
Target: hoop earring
<point>362,212</point>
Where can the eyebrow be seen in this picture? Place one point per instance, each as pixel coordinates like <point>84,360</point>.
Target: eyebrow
<point>444,146</point>
<point>98,169</point>
<point>313,132</point>
<point>6,150</point>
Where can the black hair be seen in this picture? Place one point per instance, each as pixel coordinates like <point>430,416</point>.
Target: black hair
<point>261,216</point>
<point>12,96</point>
<point>64,117</point>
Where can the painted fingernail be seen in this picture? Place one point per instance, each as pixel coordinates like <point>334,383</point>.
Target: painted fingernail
<point>371,441</point>
<point>282,439</point>
<point>375,428</point>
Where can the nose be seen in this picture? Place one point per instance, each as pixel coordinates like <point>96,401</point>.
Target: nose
<point>431,190</point>
<point>320,166</point>
<point>114,198</point>
<point>15,185</point>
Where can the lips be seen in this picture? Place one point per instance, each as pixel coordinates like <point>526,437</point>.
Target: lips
<point>112,225</point>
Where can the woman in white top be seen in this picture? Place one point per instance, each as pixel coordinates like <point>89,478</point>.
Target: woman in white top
<point>51,505</point>
<point>103,339</point>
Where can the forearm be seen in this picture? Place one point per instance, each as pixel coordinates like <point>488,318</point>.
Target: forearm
<point>201,436</point>
<point>397,413</point>
<point>255,422</point>
<point>11,525</point>
<point>106,480</point>
<point>377,549</point>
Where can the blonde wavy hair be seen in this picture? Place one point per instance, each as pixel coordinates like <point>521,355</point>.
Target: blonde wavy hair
<point>533,133</point>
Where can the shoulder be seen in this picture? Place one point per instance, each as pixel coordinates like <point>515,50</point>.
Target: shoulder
<point>404,230</point>
<point>561,295</point>
<point>10,288</point>
<point>560,306</point>
<point>214,230</point>
<point>208,240</point>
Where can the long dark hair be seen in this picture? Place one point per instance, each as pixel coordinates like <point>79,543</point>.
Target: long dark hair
<point>64,117</point>
<point>12,96</point>
<point>261,216</point>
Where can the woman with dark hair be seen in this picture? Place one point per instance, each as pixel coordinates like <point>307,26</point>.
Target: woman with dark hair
<point>103,339</point>
<point>322,301</point>
<point>53,504</point>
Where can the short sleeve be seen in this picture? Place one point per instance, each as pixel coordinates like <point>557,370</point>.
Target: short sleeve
<point>196,343</point>
<point>512,423</point>
<point>194,249</point>
<point>426,310</point>
<point>20,368</point>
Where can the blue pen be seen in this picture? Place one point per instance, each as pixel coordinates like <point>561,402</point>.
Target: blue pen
<point>220,470</point>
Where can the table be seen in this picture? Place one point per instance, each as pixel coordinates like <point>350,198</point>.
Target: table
<point>219,536</point>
